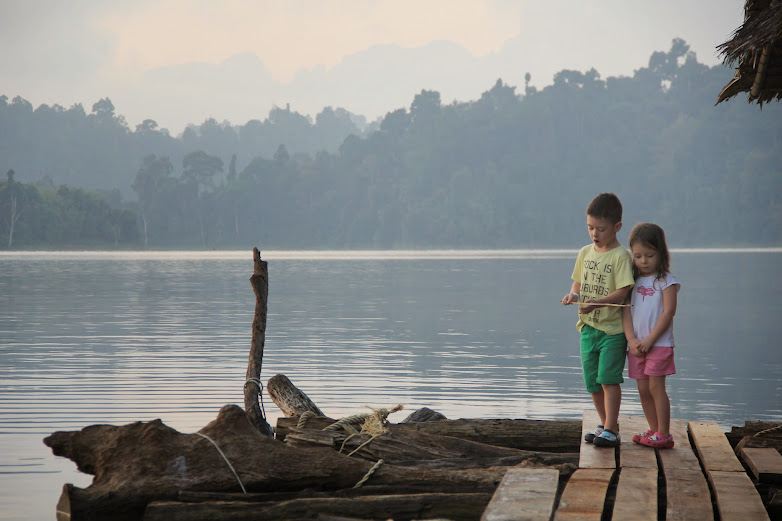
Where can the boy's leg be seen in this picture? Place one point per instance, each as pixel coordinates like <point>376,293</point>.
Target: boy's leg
<point>590,362</point>
<point>662,404</point>
<point>609,375</point>
<point>647,403</point>
<point>612,400</point>
<point>598,399</point>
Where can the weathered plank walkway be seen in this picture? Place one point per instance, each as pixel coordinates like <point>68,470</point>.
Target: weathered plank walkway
<point>698,481</point>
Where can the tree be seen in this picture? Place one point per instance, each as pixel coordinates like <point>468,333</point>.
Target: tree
<point>150,178</point>
<point>200,168</point>
<point>14,210</point>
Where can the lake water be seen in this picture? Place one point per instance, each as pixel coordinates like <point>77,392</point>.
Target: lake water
<point>108,337</point>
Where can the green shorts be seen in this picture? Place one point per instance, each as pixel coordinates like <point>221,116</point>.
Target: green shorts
<point>602,358</point>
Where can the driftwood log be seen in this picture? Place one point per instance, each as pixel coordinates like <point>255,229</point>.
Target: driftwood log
<point>145,462</point>
<point>252,384</point>
<point>289,398</point>
<point>530,435</point>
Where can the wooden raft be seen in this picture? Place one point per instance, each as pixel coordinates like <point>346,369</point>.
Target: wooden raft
<point>622,484</point>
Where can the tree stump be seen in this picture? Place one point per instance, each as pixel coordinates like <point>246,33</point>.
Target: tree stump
<point>252,385</point>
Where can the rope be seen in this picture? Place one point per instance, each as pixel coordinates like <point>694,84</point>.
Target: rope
<point>257,382</point>
<point>226,460</point>
<point>363,444</point>
<point>342,447</point>
<point>347,420</point>
<point>772,429</point>
<point>304,418</point>
<point>369,473</point>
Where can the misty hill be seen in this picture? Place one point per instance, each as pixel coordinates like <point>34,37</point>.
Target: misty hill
<point>513,168</point>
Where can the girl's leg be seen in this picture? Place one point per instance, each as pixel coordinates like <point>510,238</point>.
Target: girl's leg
<point>647,404</point>
<point>661,404</point>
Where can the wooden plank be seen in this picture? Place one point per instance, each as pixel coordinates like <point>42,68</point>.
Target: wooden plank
<point>681,456</point>
<point>584,496</point>
<point>714,450</point>
<point>632,454</point>
<point>524,494</point>
<point>688,496</point>
<point>765,464</point>
<point>591,457</point>
<point>636,495</point>
<point>736,497</point>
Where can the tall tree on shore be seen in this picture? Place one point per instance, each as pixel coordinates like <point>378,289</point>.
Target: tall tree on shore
<point>14,210</point>
<point>150,179</point>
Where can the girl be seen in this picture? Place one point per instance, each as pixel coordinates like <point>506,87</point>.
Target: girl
<point>648,326</point>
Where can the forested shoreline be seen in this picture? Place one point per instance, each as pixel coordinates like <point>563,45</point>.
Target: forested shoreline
<point>513,169</point>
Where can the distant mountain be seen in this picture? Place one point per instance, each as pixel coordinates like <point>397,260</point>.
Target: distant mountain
<point>371,82</point>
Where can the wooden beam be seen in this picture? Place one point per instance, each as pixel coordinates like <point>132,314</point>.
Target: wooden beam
<point>584,496</point>
<point>681,456</point>
<point>591,457</point>
<point>524,494</point>
<point>765,463</point>
<point>714,450</point>
<point>632,454</point>
<point>736,497</point>
<point>688,496</point>
<point>636,495</point>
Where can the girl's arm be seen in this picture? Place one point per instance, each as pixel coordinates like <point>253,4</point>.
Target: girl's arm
<point>666,319</point>
<point>627,325</point>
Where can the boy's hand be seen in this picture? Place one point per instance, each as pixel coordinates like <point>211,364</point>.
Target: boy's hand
<point>570,298</point>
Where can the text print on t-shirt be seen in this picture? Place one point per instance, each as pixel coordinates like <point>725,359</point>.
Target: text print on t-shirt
<point>595,278</point>
<point>595,283</point>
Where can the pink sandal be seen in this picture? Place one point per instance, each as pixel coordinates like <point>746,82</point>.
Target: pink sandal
<point>658,441</point>
<point>637,437</point>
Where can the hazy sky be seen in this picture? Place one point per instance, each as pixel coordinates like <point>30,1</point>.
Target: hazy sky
<point>82,50</point>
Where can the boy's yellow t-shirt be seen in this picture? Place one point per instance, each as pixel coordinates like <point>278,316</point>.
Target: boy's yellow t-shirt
<point>600,274</point>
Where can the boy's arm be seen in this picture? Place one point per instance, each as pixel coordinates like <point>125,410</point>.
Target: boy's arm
<point>617,297</point>
<point>574,295</point>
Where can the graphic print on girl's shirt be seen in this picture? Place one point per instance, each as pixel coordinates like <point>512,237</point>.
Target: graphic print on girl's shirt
<point>647,302</point>
<point>646,292</point>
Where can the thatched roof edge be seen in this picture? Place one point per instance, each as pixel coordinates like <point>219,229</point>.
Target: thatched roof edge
<point>760,28</point>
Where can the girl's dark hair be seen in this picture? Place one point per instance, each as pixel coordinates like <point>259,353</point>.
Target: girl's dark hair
<point>652,236</point>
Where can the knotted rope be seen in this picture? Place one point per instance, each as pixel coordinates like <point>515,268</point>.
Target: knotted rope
<point>304,418</point>
<point>374,424</point>
<point>257,382</point>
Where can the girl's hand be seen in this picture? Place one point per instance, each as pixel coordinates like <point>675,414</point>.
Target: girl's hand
<point>632,345</point>
<point>643,346</point>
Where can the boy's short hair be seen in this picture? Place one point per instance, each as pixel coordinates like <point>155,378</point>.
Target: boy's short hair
<point>606,206</point>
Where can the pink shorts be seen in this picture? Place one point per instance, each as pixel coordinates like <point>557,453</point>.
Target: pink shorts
<point>657,362</point>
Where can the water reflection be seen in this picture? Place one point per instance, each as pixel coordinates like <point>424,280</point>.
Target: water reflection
<point>114,338</point>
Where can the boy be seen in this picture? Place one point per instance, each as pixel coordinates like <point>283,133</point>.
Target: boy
<point>603,274</point>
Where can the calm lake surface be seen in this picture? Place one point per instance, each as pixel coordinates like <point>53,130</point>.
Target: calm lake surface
<point>89,338</point>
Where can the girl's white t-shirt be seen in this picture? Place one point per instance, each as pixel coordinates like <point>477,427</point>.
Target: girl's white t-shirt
<point>647,301</point>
